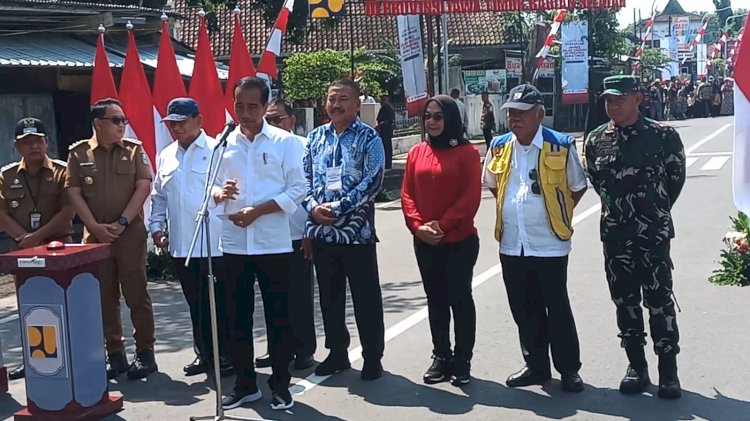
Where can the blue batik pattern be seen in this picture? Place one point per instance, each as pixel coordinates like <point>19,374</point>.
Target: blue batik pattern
<point>360,153</point>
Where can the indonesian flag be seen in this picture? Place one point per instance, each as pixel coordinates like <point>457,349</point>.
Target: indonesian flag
<point>698,37</point>
<point>542,54</point>
<point>205,87</point>
<point>741,166</point>
<point>102,83</point>
<point>240,63</point>
<point>168,85</point>
<point>646,37</point>
<point>267,66</point>
<point>136,98</point>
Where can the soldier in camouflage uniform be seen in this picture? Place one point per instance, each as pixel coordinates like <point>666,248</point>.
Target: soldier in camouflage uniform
<point>637,166</point>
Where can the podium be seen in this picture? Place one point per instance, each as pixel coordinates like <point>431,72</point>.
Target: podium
<point>61,329</point>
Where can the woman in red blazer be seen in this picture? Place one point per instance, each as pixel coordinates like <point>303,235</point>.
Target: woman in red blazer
<point>440,197</point>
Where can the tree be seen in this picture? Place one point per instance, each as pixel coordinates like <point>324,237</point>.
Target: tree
<point>654,58</point>
<point>307,75</point>
<point>607,40</point>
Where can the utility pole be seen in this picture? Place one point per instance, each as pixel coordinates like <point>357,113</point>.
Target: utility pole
<point>446,63</point>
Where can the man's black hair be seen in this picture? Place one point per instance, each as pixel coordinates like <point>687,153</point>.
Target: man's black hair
<point>280,103</point>
<point>248,83</point>
<point>99,109</point>
<point>348,83</point>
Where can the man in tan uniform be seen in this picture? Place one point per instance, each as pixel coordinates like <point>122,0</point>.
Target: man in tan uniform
<point>33,206</point>
<point>108,180</point>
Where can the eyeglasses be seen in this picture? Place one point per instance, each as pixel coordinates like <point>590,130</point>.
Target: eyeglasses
<point>276,119</point>
<point>437,117</point>
<point>116,120</point>
<point>533,176</point>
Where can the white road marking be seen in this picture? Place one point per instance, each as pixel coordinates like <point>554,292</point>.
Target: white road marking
<point>715,163</point>
<point>690,161</point>
<point>710,153</point>
<point>702,142</point>
<point>305,385</point>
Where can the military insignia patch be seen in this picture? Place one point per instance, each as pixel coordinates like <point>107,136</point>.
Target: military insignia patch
<point>145,159</point>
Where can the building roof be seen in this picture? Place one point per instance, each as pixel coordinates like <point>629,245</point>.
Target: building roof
<point>371,32</point>
<point>673,7</point>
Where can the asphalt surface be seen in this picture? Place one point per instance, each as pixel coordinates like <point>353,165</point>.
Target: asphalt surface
<point>713,364</point>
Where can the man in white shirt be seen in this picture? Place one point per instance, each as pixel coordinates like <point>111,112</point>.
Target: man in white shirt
<point>365,98</point>
<point>301,309</point>
<point>536,175</point>
<point>461,108</point>
<point>260,184</point>
<point>176,197</point>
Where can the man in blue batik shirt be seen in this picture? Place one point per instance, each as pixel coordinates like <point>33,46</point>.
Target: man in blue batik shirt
<point>344,165</point>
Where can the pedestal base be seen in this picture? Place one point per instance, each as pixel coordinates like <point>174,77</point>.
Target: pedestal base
<point>94,413</point>
<point>3,379</point>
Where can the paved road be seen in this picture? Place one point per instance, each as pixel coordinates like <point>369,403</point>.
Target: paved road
<point>713,364</point>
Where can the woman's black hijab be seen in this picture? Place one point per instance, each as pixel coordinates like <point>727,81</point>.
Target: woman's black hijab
<point>453,126</point>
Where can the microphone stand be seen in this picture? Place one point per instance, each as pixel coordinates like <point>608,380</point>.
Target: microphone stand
<point>203,223</point>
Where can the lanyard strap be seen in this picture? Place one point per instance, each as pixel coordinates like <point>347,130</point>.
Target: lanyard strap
<point>34,197</point>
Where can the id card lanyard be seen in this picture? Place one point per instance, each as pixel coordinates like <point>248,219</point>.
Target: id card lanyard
<point>333,173</point>
<point>35,217</point>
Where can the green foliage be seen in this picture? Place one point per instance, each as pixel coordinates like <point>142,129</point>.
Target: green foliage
<point>159,266</point>
<point>718,65</point>
<point>654,58</point>
<point>607,40</point>
<point>378,72</point>
<point>735,257</point>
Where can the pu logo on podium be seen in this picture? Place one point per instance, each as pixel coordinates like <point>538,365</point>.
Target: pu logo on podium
<point>45,351</point>
<point>42,341</point>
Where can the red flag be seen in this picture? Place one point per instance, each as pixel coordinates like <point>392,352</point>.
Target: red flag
<point>205,87</point>
<point>168,85</point>
<point>136,98</point>
<point>102,83</point>
<point>240,63</point>
<point>741,161</point>
<point>267,65</point>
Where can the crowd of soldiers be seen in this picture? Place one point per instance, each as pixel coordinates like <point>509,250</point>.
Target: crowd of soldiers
<point>282,203</point>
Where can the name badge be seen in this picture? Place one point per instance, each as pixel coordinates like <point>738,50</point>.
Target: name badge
<point>333,179</point>
<point>35,220</point>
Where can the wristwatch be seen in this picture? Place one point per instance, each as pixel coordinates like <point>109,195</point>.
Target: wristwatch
<point>123,221</point>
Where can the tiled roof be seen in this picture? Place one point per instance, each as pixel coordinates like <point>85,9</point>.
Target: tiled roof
<point>371,32</point>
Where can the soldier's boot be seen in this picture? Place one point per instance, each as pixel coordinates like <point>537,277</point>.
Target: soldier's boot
<point>669,383</point>
<point>636,377</point>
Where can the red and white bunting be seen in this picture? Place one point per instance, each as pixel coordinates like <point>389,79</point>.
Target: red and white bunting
<point>698,37</point>
<point>646,37</point>
<point>267,67</point>
<point>553,30</point>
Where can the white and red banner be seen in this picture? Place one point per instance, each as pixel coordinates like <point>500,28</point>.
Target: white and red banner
<point>575,64</point>
<point>267,68</point>
<point>412,63</point>
<point>542,54</point>
<point>697,40</point>
<point>741,166</point>
<point>205,87</point>
<point>102,82</point>
<point>240,64</point>
<point>168,85</point>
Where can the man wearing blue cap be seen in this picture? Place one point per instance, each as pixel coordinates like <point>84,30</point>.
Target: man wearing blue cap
<point>537,177</point>
<point>176,198</point>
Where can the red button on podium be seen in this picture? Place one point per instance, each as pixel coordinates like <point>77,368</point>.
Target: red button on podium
<point>59,309</point>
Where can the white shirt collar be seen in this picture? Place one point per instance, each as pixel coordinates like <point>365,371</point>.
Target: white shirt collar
<point>537,141</point>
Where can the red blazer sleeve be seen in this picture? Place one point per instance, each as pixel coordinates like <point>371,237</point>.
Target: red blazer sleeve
<point>467,203</point>
<point>408,206</point>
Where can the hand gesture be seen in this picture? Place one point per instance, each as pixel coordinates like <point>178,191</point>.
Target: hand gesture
<point>323,215</point>
<point>228,192</point>
<point>428,235</point>
<point>244,217</point>
<point>29,240</point>
<point>160,240</point>
<point>103,233</point>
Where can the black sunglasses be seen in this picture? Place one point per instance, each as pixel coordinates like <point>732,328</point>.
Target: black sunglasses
<point>437,117</point>
<point>533,176</point>
<point>116,120</point>
<point>276,119</point>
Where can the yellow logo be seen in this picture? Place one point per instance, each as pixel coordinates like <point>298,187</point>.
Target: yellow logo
<point>42,341</point>
<point>322,9</point>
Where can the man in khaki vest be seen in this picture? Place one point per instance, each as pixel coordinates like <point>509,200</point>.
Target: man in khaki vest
<point>34,209</point>
<point>536,175</point>
<point>109,179</point>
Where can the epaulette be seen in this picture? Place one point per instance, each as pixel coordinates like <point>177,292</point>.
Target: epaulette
<point>77,144</point>
<point>9,166</point>
<point>133,141</point>
<point>60,163</point>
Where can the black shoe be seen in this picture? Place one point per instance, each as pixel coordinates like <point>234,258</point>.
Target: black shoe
<point>669,383</point>
<point>335,362</point>
<point>371,370</point>
<point>303,362</point>
<point>143,364</point>
<point>635,381</point>
<point>527,377</point>
<point>225,367</point>
<point>264,361</point>
<point>439,370</point>
<point>198,366</point>
<point>117,363</point>
<point>461,372</point>
<point>17,373</point>
<point>571,382</point>
<point>281,399</point>
<point>238,397</point>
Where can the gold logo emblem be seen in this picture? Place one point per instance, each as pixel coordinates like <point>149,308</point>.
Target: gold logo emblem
<point>42,341</point>
<point>88,180</point>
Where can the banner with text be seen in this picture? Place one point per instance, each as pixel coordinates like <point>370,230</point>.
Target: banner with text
<point>412,63</point>
<point>701,54</point>
<point>669,48</point>
<point>575,65</point>
<point>513,67</point>
<point>480,81</point>
<point>681,31</point>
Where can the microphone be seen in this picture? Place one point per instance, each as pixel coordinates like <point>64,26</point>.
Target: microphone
<point>227,130</point>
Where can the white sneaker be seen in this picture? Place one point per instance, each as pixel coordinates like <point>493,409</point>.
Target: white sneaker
<point>238,398</point>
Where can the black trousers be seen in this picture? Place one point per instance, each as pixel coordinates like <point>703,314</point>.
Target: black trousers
<point>388,148</point>
<point>487,132</point>
<point>447,271</point>
<point>194,283</point>
<point>538,298</point>
<point>301,308</point>
<point>334,265</point>
<point>271,271</point>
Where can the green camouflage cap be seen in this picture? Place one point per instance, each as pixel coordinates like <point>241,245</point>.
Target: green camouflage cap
<point>620,85</point>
